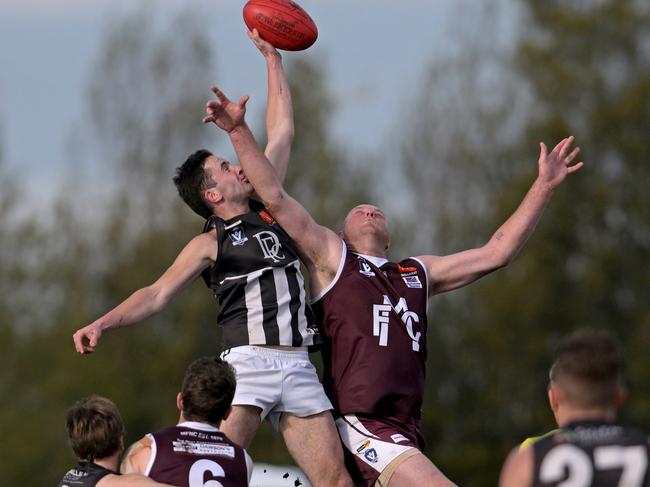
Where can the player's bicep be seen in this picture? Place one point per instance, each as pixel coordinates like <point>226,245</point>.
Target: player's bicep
<point>199,254</point>
<point>456,270</point>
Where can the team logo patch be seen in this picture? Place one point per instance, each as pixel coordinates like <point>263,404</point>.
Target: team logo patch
<point>371,455</point>
<point>237,235</point>
<point>363,446</point>
<point>270,245</point>
<point>412,282</point>
<point>365,269</point>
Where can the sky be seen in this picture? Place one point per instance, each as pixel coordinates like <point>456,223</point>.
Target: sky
<point>375,52</point>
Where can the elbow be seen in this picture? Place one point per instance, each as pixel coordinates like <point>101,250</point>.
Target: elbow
<point>274,200</point>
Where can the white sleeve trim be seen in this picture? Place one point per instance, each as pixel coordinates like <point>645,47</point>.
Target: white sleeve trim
<point>426,276</point>
<point>152,456</point>
<point>344,253</point>
<point>249,465</point>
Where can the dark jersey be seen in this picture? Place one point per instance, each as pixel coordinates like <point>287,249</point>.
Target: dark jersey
<point>374,326</point>
<point>592,454</point>
<point>258,282</point>
<point>85,474</point>
<point>191,454</point>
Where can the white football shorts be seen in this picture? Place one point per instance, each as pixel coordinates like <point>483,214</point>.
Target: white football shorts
<point>276,381</point>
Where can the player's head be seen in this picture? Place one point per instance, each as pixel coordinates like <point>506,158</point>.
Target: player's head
<point>207,391</point>
<point>363,221</point>
<point>95,428</point>
<point>588,373</point>
<point>205,181</point>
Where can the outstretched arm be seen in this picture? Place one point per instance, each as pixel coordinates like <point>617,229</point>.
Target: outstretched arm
<point>457,270</point>
<point>197,255</point>
<point>319,247</point>
<point>279,112</point>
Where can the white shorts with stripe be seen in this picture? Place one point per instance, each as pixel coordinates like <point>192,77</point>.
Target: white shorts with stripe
<point>276,381</point>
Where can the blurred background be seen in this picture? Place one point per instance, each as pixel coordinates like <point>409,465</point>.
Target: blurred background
<point>432,110</point>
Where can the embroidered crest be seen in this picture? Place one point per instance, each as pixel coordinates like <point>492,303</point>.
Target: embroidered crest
<point>364,268</point>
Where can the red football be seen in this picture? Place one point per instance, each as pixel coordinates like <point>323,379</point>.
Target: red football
<point>283,23</point>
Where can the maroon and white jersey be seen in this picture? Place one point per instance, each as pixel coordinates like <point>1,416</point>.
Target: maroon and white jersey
<point>374,323</point>
<point>191,454</point>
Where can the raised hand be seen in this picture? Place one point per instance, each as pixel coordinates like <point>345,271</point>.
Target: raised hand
<point>554,167</point>
<point>224,113</point>
<point>266,48</point>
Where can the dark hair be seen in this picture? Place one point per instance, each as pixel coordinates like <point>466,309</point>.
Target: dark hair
<point>590,367</point>
<point>191,180</point>
<point>95,428</point>
<point>208,389</point>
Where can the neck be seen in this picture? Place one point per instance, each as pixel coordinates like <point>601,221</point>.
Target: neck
<point>368,246</point>
<point>108,462</point>
<point>232,209</point>
<point>570,415</point>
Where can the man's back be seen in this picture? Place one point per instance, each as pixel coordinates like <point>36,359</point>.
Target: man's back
<point>84,474</point>
<point>592,453</point>
<point>192,453</point>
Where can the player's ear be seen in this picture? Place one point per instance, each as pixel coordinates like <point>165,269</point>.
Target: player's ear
<point>227,413</point>
<point>620,396</point>
<point>179,401</point>
<point>212,195</point>
<point>553,396</point>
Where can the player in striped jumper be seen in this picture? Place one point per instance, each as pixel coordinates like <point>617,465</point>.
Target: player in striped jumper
<point>589,448</point>
<point>373,311</point>
<point>252,267</point>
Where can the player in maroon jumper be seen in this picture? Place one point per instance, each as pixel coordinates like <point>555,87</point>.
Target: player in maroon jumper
<point>183,454</point>
<point>373,311</point>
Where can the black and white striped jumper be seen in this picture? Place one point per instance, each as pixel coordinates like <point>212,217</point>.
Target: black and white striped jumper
<point>258,283</point>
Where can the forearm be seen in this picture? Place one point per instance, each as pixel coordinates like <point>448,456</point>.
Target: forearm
<point>279,116</point>
<point>256,166</point>
<point>508,240</point>
<point>139,306</point>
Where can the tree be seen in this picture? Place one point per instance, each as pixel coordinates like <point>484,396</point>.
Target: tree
<point>494,340</point>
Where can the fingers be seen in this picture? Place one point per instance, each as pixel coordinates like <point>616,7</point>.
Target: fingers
<point>85,343</point>
<point>243,100</point>
<point>571,156</point>
<point>543,151</point>
<point>565,145</point>
<point>575,167</point>
<point>222,98</point>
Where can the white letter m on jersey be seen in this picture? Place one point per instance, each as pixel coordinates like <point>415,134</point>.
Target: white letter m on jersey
<point>380,320</point>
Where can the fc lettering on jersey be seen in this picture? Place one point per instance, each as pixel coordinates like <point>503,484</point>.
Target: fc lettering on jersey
<point>381,319</point>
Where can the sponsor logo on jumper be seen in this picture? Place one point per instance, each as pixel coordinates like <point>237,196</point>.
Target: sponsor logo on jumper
<point>266,217</point>
<point>363,446</point>
<point>412,281</point>
<point>237,235</point>
<point>203,448</point>
<point>270,245</point>
<point>406,270</point>
<point>364,268</point>
<point>397,438</point>
<point>371,455</point>
<point>381,319</point>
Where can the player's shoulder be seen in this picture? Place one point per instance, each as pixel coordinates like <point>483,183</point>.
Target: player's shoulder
<point>137,456</point>
<point>532,440</point>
